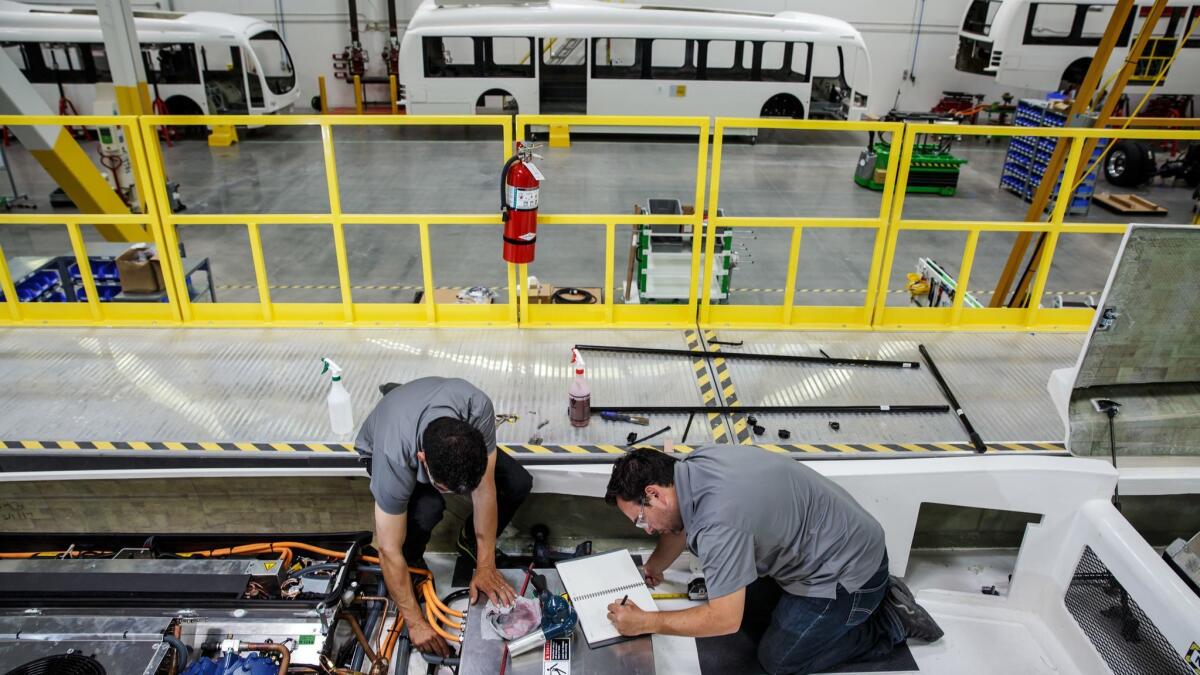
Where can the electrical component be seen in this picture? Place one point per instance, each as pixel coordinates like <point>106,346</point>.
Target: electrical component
<point>231,663</point>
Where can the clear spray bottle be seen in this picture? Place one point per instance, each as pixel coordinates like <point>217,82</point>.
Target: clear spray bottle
<point>341,413</point>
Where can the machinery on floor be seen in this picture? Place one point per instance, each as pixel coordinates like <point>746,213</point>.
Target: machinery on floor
<point>660,258</point>
<point>934,169</point>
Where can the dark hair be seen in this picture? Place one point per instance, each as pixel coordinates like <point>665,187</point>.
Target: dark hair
<point>636,470</point>
<point>455,453</point>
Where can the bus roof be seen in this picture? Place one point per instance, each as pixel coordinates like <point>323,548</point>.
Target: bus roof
<point>588,18</point>
<point>28,23</point>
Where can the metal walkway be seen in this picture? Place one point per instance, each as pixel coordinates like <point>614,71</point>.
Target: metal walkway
<point>260,391</point>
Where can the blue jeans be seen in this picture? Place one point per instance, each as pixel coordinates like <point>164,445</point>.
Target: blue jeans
<point>808,635</point>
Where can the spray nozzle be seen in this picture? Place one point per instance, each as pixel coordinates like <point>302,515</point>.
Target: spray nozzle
<point>577,361</point>
<point>328,366</point>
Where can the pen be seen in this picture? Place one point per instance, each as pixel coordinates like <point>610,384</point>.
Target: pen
<point>624,599</point>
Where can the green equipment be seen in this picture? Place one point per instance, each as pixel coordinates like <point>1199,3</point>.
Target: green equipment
<point>933,170</point>
<point>661,259</point>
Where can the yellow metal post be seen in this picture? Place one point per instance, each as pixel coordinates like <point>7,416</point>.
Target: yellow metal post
<point>710,235</point>
<point>964,277</point>
<point>610,251</point>
<point>260,271</point>
<point>393,94</point>
<point>335,211</point>
<point>895,214</point>
<point>512,292</point>
<point>358,98</point>
<point>700,210</point>
<point>427,273</point>
<point>85,269</point>
<point>560,135</point>
<point>523,284</point>
<point>324,98</point>
<point>789,283</point>
<point>10,291</point>
<point>1051,237</point>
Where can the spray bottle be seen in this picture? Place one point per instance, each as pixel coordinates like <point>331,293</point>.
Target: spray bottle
<point>580,408</point>
<point>341,413</point>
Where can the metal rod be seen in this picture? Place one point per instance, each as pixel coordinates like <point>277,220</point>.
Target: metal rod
<point>761,409</point>
<point>646,438</point>
<point>980,446</point>
<point>743,355</point>
<point>687,428</point>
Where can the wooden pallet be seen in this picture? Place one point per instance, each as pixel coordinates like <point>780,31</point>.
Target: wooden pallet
<point>1132,205</point>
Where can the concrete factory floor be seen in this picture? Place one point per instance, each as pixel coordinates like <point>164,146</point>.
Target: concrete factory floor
<point>382,170</point>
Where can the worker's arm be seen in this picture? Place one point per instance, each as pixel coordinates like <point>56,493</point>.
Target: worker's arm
<point>666,552</point>
<point>390,531</point>
<point>487,578</point>
<point>719,616</point>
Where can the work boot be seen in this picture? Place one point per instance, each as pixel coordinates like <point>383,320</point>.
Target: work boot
<point>916,621</point>
<point>386,387</point>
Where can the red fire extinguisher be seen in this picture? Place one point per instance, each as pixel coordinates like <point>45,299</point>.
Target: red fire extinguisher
<point>519,181</point>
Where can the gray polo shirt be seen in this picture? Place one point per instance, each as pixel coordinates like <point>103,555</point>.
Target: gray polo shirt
<point>750,513</point>
<point>391,434</point>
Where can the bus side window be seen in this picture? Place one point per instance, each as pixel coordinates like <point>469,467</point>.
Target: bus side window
<point>672,59</point>
<point>64,63</point>
<point>616,58</point>
<point>728,60</point>
<point>100,65</point>
<point>1194,41</point>
<point>450,56</point>
<point>786,61</point>
<point>508,56</point>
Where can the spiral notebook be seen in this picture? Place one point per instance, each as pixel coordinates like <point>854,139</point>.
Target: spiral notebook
<point>594,582</point>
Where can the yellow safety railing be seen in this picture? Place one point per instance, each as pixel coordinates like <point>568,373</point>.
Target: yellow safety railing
<point>93,311</point>
<point>607,311</point>
<point>162,228</point>
<point>347,311</point>
<point>1034,317</point>
<point>787,314</point>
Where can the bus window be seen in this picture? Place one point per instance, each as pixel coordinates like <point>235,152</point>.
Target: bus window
<point>617,58</point>
<point>728,60</point>
<point>508,56</point>
<point>17,53</point>
<point>563,51</point>
<point>980,15</point>
<point>785,61</point>
<point>1194,41</point>
<point>223,82</point>
<point>673,59</point>
<point>449,56</point>
<point>100,63</point>
<point>65,63</point>
<point>1095,22</point>
<point>1049,24</point>
<point>275,61</point>
<point>171,63</point>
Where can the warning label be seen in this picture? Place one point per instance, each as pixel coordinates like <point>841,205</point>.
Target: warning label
<point>556,659</point>
<point>1193,658</point>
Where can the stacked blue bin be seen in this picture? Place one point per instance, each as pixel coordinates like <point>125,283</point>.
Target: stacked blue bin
<point>1028,156</point>
<point>104,273</point>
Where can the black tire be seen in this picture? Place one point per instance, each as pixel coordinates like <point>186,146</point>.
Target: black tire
<point>315,103</point>
<point>783,105</point>
<point>183,105</point>
<point>1129,164</point>
<point>1073,76</point>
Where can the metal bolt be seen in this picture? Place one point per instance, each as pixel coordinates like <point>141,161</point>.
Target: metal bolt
<point>835,426</point>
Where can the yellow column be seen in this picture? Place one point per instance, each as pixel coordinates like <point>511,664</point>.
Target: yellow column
<point>324,98</point>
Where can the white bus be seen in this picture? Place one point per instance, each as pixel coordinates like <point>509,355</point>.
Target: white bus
<point>598,58</point>
<point>196,63</point>
<point>1049,45</point>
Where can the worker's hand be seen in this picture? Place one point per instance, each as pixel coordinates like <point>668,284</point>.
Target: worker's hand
<point>487,580</point>
<point>630,619</point>
<point>425,639</point>
<point>653,575</point>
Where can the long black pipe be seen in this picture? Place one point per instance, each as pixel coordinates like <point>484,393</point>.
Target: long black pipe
<point>976,441</point>
<point>392,30</point>
<point>353,22</point>
<point>760,409</point>
<point>781,358</point>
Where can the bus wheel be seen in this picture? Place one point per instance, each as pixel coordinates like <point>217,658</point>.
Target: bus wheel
<point>506,101</point>
<point>1073,76</point>
<point>783,105</point>
<point>1129,164</point>
<point>182,105</point>
<point>315,103</point>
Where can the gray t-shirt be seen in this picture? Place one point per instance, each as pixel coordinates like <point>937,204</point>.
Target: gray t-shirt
<point>391,434</point>
<point>749,513</point>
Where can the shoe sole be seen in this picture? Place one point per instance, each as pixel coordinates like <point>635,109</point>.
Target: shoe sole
<point>918,621</point>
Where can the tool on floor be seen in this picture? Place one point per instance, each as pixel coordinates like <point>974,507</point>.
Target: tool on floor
<point>836,426</point>
<point>622,417</point>
<point>506,418</point>
<point>643,439</point>
<point>780,358</point>
<point>752,421</point>
<point>784,434</point>
<point>976,441</point>
<point>688,427</point>
<point>780,409</point>
<point>341,412</point>
<point>579,407</point>
<point>759,430</point>
<point>739,343</point>
<point>543,423</point>
<point>631,438</point>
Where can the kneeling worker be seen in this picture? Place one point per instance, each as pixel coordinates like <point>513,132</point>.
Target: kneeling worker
<point>787,554</point>
<point>425,438</point>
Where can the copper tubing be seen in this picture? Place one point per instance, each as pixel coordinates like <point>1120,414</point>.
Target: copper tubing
<point>387,609</point>
<point>285,657</point>
<point>361,637</point>
<point>177,631</point>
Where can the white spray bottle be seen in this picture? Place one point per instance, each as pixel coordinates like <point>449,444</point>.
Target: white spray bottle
<point>580,394</point>
<point>341,413</point>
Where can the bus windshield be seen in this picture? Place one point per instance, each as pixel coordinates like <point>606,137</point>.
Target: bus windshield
<point>275,61</point>
<point>980,15</point>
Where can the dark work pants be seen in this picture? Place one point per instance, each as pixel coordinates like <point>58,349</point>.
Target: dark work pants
<point>426,506</point>
<point>804,635</point>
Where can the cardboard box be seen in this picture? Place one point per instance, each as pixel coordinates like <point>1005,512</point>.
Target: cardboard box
<point>140,277</point>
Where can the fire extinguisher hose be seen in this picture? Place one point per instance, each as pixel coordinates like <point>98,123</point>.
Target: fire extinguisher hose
<point>503,176</point>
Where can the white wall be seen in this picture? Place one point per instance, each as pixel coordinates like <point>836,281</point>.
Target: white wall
<point>316,29</point>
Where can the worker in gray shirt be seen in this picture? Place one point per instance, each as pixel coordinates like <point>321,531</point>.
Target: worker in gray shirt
<point>788,556</point>
<point>425,438</point>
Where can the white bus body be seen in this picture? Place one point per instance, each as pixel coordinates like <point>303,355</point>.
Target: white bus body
<point>583,56</point>
<point>1049,45</point>
<point>197,63</point>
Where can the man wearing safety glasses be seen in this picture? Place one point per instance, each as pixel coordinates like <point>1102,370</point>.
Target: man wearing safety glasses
<point>788,557</point>
<point>427,438</point>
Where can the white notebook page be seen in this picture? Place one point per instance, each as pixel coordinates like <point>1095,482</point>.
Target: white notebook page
<point>595,582</point>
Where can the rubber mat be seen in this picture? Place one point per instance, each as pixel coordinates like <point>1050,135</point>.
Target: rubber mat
<point>736,654</point>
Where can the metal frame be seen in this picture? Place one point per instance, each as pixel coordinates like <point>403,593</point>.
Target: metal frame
<point>162,226</point>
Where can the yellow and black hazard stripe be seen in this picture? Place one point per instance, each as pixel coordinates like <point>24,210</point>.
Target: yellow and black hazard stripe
<point>355,287</point>
<point>522,449</point>
<point>728,392</point>
<point>708,390</point>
